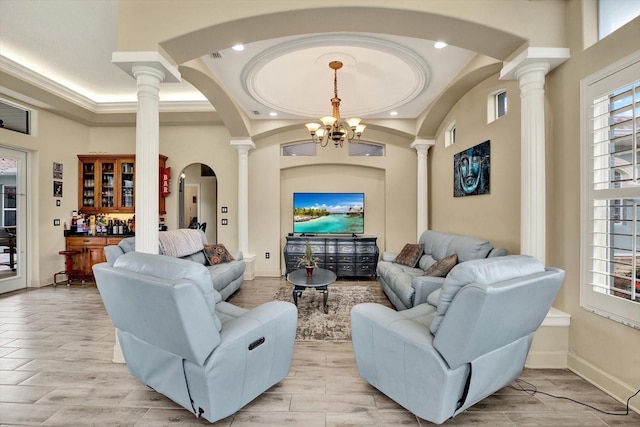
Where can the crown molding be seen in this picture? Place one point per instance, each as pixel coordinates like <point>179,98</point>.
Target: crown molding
<point>42,82</point>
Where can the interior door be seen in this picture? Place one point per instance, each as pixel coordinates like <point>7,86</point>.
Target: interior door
<point>13,249</point>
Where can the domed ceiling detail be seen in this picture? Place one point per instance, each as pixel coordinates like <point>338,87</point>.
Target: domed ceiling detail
<point>378,76</point>
<point>290,76</point>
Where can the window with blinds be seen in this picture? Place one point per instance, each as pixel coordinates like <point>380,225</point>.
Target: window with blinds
<point>611,193</point>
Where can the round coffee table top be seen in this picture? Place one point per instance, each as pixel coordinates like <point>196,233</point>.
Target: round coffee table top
<point>320,277</point>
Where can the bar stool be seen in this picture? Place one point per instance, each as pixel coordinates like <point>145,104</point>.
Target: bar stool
<point>68,271</point>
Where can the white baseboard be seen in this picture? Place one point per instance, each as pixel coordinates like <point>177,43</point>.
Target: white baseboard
<point>613,386</point>
<point>546,360</point>
<point>269,273</point>
<point>550,342</point>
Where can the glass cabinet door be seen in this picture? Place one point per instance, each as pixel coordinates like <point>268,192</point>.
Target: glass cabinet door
<point>108,182</point>
<point>127,185</point>
<point>88,185</point>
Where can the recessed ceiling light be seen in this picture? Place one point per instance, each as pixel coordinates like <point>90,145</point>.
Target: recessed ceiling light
<point>439,45</point>
<point>273,114</point>
<point>238,47</point>
<point>393,113</point>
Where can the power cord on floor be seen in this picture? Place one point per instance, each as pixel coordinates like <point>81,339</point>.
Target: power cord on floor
<point>533,390</point>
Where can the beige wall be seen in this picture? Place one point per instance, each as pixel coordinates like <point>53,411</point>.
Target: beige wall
<point>603,351</point>
<point>494,216</point>
<point>60,140</point>
<point>55,139</point>
<point>388,182</point>
<point>186,145</point>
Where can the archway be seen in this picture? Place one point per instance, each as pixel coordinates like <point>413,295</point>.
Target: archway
<point>198,199</point>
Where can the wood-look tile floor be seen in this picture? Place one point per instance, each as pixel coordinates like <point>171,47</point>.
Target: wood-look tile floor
<point>55,370</point>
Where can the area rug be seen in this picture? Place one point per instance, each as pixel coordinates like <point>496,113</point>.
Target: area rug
<point>313,324</point>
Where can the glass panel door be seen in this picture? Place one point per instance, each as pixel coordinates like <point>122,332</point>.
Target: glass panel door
<point>108,185</point>
<point>127,185</point>
<point>88,185</point>
<point>12,220</point>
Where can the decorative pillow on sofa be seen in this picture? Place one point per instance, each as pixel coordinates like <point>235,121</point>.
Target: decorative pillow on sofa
<point>441,268</point>
<point>216,254</point>
<point>410,255</point>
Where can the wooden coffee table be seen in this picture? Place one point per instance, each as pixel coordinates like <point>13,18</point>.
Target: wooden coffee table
<point>320,280</point>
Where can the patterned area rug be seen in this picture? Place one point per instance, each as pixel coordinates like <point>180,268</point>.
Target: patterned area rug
<point>313,324</point>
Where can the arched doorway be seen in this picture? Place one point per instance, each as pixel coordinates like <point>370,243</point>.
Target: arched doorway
<point>198,199</point>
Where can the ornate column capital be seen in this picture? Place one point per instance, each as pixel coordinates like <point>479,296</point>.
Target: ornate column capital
<point>243,145</point>
<point>146,63</point>
<point>422,145</point>
<point>534,59</point>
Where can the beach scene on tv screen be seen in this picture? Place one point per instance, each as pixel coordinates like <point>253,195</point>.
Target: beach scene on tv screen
<point>334,213</point>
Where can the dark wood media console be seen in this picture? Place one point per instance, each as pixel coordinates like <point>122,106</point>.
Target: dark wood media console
<point>344,255</point>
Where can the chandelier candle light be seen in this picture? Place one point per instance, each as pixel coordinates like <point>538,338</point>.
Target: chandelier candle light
<point>333,128</point>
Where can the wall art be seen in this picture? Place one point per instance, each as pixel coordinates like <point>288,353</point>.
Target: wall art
<point>471,170</point>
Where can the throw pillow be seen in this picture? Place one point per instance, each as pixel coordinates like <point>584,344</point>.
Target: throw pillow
<point>216,254</point>
<point>410,255</point>
<point>441,268</point>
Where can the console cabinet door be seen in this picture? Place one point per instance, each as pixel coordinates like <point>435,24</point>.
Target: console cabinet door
<point>91,251</point>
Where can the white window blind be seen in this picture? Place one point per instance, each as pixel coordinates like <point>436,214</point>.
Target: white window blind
<point>611,192</point>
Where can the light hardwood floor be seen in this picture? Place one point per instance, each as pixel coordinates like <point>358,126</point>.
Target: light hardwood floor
<point>55,370</point>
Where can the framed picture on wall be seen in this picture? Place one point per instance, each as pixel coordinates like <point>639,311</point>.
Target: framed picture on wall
<point>57,188</point>
<point>471,170</point>
<point>57,170</point>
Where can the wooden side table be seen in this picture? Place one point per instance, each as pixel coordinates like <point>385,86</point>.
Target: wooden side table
<point>68,271</point>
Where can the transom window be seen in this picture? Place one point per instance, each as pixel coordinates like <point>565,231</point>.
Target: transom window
<point>450,134</point>
<point>300,149</point>
<point>501,104</point>
<point>497,105</point>
<point>366,149</point>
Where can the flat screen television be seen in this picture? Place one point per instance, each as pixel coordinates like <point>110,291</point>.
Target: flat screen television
<point>328,213</point>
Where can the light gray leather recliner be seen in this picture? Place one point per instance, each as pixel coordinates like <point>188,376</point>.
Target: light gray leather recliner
<point>181,339</point>
<point>436,361</point>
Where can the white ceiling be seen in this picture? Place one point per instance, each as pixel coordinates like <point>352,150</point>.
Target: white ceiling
<point>70,42</point>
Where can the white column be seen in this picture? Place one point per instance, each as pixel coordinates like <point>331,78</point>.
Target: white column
<point>532,161</point>
<point>149,69</point>
<point>147,152</point>
<point>422,148</point>
<point>243,146</point>
<point>530,68</point>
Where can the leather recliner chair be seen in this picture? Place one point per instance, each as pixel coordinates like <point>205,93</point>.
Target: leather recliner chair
<point>179,337</point>
<point>438,360</point>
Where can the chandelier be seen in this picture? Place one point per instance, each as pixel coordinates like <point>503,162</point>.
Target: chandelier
<point>333,128</point>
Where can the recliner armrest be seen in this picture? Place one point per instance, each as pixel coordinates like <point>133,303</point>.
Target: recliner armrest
<point>279,314</point>
<point>389,256</point>
<point>423,286</point>
<point>112,252</point>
